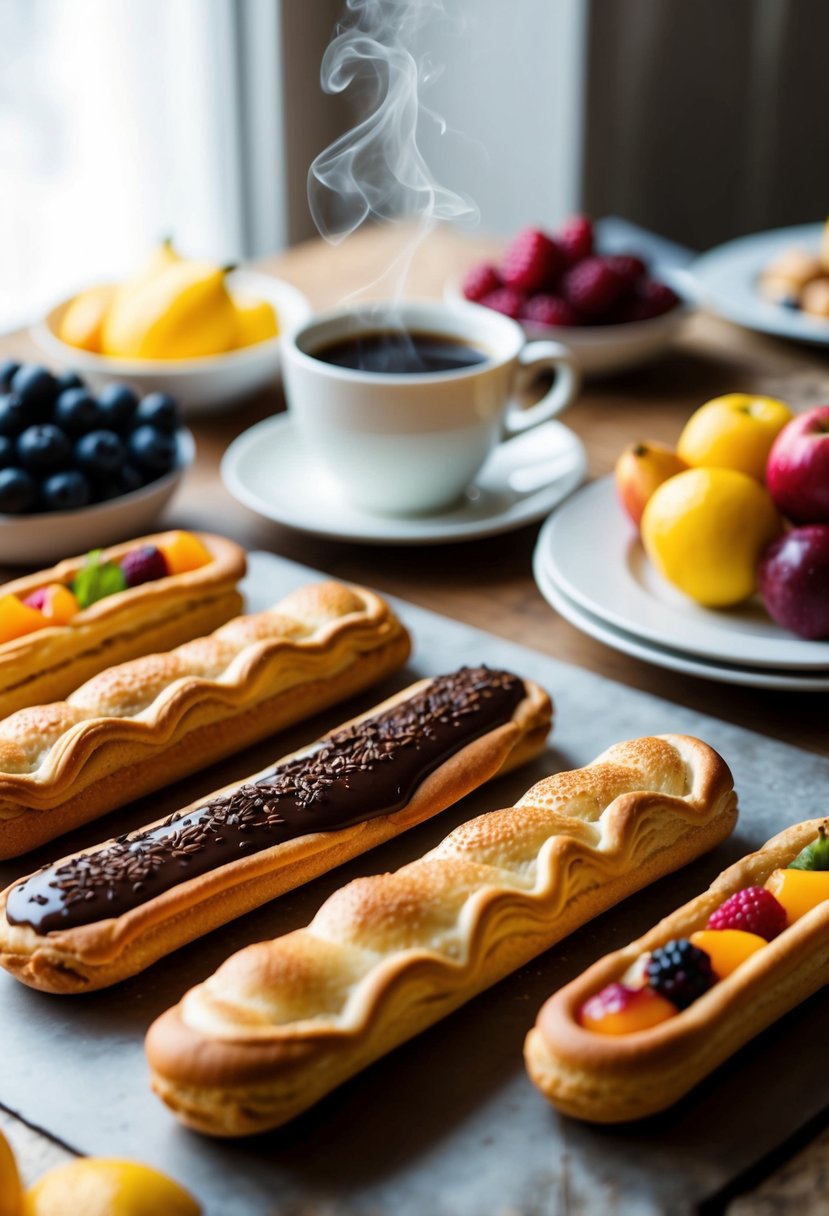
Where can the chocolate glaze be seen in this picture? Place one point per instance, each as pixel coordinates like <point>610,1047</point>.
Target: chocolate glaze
<point>360,772</point>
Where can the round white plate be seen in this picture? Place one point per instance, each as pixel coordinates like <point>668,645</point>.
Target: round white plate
<point>660,656</point>
<point>727,277</point>
<point>268,469</point>
<point>591,550</point>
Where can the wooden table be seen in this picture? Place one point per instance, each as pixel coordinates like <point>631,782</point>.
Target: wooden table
<point>489,583</point>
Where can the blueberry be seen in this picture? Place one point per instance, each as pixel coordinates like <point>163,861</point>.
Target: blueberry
<point>117,404</point>
<point>36,386</point>
<point>159,410</point>
<point>69,380</point>
<point>8,451</point>
<point>76,411</point>
<point>152,450</point>
<point>14,416</point>
<point>18,491</point>
<point>66,491</point>
<point>130,479</point>
<point>99,453</point>
<point>7,369</point>
<point>43,449</point>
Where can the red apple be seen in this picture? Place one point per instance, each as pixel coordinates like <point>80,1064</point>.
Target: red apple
<point>797,473</point>
<point>794,580</point>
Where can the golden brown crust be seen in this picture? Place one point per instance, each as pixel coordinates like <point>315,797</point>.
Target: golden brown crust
<point>612,1079</point>
<point>96,955</point>
<point>138,726</point>
<point>283,1022</point>
<point>46,665</point>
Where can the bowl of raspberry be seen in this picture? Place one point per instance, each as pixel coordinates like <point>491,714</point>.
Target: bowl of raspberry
<point>608,308</point>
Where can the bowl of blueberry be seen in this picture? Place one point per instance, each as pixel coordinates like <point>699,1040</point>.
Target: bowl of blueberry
<point>78,468</point>
<point>608,308</point>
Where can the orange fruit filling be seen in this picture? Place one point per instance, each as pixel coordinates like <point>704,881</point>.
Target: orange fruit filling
<point>17,619</point>
<point>727,948</point>
<point>184,552</point>
<point>799,890</point>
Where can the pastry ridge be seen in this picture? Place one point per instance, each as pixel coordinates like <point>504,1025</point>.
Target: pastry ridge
<point>283,1022</point>
<point>144,723</point>
<point>91,956</point>
<point>611,1079</point>
<point>47,664</point>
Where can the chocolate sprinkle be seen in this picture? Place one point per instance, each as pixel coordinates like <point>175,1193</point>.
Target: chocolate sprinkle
<point>359,772</point>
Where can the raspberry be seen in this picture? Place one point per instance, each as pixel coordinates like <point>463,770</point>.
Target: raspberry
<point>575,239</point>
<point>532,261</point>
<point>754,910</point>
<point>629,268</point>
<point>658,298</point>
<point>505,300</point>
<point>593,287</point>
<point>680,972</point>
<point>480,280</point>
<point>143,565</point>
<point>549,310</point>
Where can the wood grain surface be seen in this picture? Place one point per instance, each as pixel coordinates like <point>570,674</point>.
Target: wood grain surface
<point>488,583</point>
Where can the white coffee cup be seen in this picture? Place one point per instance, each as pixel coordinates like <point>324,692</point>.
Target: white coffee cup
<point>400,443</point>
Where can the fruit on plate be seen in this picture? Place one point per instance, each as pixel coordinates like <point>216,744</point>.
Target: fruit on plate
<point>733,432</point>
<point>255,320</point>
<point>799,278</point>
<point>705,529</point>
<point>184,312</point>
<point>11,1193</point>
<point>171,308</point>
<point>640,469</point>
<point>61,448</point>
<point>83,319</point>
<point>797,473</point>
<point>560,279</point>
<point>104,1186</point>
<point>793,576</point>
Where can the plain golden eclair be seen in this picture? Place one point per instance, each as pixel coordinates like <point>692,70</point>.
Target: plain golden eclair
<point>281,1023</point>
<point>49,663</point>
<point>144,724</point>
<point>611,1078</point>
<point>99,916</point>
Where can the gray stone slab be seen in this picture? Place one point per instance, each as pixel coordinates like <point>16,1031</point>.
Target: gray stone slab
<point>449,1124</point>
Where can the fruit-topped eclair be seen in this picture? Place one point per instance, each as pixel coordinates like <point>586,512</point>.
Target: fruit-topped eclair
<point>101,915</point>
<point>61,626</point>
<point>641,1027</point>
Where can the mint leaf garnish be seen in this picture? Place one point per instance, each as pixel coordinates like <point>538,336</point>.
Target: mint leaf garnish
<point>97,580</point>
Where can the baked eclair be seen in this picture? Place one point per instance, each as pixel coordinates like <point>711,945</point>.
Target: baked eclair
<point>281,1023</point>
<point>61,626</point>
<point>141,725</point>
<point>641,1027</point>
<point>99,916</point>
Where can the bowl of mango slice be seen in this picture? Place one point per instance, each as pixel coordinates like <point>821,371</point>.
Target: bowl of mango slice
<point>209,335</point>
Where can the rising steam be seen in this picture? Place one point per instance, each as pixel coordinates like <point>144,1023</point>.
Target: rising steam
<point>376,170</point>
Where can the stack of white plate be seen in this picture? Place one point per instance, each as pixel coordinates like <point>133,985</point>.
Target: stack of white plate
<point>590,566</point>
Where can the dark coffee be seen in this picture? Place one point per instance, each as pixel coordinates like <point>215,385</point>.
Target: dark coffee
<point>392,352</point>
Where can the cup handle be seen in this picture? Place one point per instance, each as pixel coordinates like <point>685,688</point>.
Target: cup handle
<point>536,357</point>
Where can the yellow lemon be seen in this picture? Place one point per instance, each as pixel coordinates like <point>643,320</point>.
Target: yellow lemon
<point>103,1186</point>
<point>704,530</point>
<point>733,432</point>
<point>11,1193</point>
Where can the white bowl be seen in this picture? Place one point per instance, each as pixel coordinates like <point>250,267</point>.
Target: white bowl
<point>204,385</point>
<point>29,540</point>
<point>603,350</point>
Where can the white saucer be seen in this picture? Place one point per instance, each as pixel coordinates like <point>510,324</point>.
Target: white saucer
<point>595,557</point>
<point>660,656</point>
<point>726,278</point>
<point>268,469</point>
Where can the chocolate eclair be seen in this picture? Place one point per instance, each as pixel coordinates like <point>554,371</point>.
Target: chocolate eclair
<point>97,917</point>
